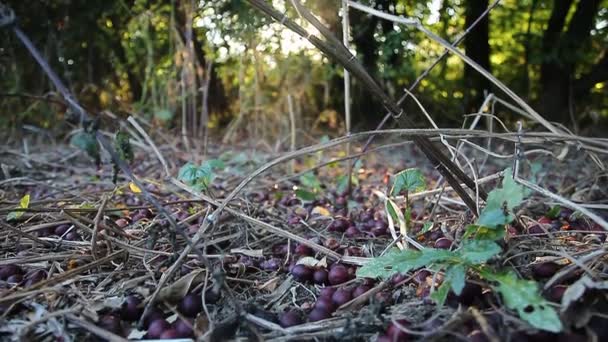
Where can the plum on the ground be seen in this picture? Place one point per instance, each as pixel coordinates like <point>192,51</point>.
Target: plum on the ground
<point>302,273</point>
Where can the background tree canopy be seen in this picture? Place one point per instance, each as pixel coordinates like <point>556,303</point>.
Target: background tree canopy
<point>223,63</point>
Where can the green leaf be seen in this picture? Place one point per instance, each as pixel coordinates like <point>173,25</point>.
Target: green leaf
<point>411,180</point>
<point>214,164</point>
<point>390,207</point>
<point>500,200</point>
<point>477,251</point>
<point>397,261</point>
<point>441,294</point>
<point>305,195</point>
<point>455,275</point>
<point>123,146</point>
<point>86,141</point>
<point>199,177</point>
<point>523,296</point>
<point>553,212</point>
<point>310,181</point>
<point>163,115</point>
<point>24,203</point>
<point>484,233</point>
<point>342,185</point>
<point>426,227</point>
<point>189,173</point>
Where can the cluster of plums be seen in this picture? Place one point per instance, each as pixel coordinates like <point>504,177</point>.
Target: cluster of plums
<point>155,323</point>
<point>565,220</point>
<point>64,231</point>
<point>15,275</point>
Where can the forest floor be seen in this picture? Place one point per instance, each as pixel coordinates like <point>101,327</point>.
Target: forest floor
<point>82,257</point>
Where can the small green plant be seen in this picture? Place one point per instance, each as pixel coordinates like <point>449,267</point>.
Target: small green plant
<point>122,144</point>
<point>407,182</point>
<point>24,203</point>
<point>87,142</point>
<point>310,186</point>
<point>199,177</point>
<point>472,256</point>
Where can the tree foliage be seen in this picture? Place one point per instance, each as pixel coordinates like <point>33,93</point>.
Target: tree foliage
<point>130,55</point>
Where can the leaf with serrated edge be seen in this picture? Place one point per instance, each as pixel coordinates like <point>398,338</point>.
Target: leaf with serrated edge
<point>305,195</point>
<point>510,194</point>
<point>456,276</point>
<point>396,261</point>
<point>310,181</point>
<point>477,251</point>
<point>523,296</point>
<point>441,294</point>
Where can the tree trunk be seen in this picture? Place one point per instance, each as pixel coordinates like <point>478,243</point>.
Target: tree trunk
<point>559,52</point>
<point>477,47</point>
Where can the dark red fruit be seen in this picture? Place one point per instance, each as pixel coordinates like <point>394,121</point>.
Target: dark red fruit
<point>397,278</point>
<point>122,222</point>
<point>354,251</point>
<point>191,305</point>
<point>72,236</point>
<point>271,264</point>
<point>293,220</point>
<point>342,296</point>
<point>361,289</point>
<point>34,277</point>
<point>352,232</point>
<point>320,276</point>
<point>340,201</point>
<point>545,220</point>
<point>443,243</point>
<point>434,235</point>
<point>14,279</point>
<point>61,229</point>
<point>332,243</point>
<point>557,292</point>
<point>326,304</point>
<point>152,316</point>
<point>289,319</point>
<point>338,225</point>
<point>395,333</point>
<point>421,276</point>
<point>9,270</point>
<point>565,213</point>
<point>379,231</point>
<point>380,224</point>
<point>338,275</point>
<point>130,310</point>
<point>544,269</point>
<point>536,229</point>
<point>302,273</point>
<point>477,336</point>
<point>318,315</point>
<point>183,328</point>
<point>366,216</point>
<point>327,292</point>
<point>169,334</point>
<point>304,250</point>
<point>157,328</point>
<point>384,338</point>
<point>111,323</point>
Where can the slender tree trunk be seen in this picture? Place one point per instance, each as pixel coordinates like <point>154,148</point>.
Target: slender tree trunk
<point>477,47</point>
<point>559,55</point>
